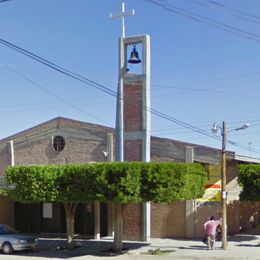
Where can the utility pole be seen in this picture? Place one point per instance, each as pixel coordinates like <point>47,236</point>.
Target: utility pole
<point>223,187</point>
<point>224,176</point>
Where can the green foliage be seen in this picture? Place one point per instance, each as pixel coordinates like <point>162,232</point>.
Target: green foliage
<point>50,183</point>
<point>119,182</point>
<point>3,193</point>
<point>249,179</point>
<point>81,183</point>
<point>33,183</point>
<point>167,182</point>
<point>123,181</point>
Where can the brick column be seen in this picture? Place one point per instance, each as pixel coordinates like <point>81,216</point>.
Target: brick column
<point>133,220</point>
<point>136,129</point>
<point>133,118</point>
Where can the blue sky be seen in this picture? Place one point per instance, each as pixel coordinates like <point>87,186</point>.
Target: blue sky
<point>205,64</point>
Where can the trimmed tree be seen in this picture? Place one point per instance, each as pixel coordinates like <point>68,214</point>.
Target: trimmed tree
<point>169,182</point>
<point>121,183</point>
<point>249,180</point>
<point>67,184</point>
<point>159,183</point>
<point>123,187</point>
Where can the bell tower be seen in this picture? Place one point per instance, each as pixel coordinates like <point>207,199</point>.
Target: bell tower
<point>133,123</point>
<point>133,103</point>
<point>133,119</point>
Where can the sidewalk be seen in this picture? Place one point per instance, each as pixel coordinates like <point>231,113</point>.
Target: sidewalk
<point>239,247</point>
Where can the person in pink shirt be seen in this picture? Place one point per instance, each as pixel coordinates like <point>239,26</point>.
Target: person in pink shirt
<point>210,227</point>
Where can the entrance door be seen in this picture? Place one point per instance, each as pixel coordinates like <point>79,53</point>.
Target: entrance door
<point>28,217</point>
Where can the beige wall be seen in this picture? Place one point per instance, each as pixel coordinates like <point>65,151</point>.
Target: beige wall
<point>249,216</point>
<point>168,220</point>
<point>203,213</point>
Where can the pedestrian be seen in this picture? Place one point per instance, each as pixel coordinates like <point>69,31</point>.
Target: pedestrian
<point>210,227</point>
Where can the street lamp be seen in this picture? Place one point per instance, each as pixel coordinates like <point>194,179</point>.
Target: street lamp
<point>223,176</point>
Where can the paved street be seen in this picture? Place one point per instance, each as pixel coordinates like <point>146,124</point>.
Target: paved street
<point>239,247</point>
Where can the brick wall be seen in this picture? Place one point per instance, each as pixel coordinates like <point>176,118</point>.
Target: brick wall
<point>76,150</point>
<point>5,158</point>
<point>133,222</point>
<point>7,211</point>
<point>83,143</point>
<point>133,106</point>
<point>133,151</point>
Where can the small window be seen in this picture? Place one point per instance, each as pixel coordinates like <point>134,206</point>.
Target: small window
<point>58,143</point>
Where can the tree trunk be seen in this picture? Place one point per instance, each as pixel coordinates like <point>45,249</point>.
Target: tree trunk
<point>118,237</point>
<point>70,210</point>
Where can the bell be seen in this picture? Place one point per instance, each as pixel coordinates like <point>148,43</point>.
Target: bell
<point>134,57</point>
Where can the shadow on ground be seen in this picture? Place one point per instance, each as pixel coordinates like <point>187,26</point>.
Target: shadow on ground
<point>242,237</point>
<point>56,248</point>
<point>172,247</point>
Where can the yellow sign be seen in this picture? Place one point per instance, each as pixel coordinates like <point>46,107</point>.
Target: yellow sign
<point>213,185</point>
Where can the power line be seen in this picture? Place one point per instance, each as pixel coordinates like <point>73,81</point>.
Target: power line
<point>234,12</point>
<point>58,68</point>
<point>201,19</point>
<point>209,89</point>
<point>52,94</point>
<point>243,147</point>
<point>196,129</point>
<point>54,103</point>
<point>98,86</point>
<point>191,89</point>
<point>182,123</point>
<point>179,130</point>
<point>183,86</point>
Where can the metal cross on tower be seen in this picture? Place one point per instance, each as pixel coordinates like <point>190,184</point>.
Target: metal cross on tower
<point>122,15</point>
